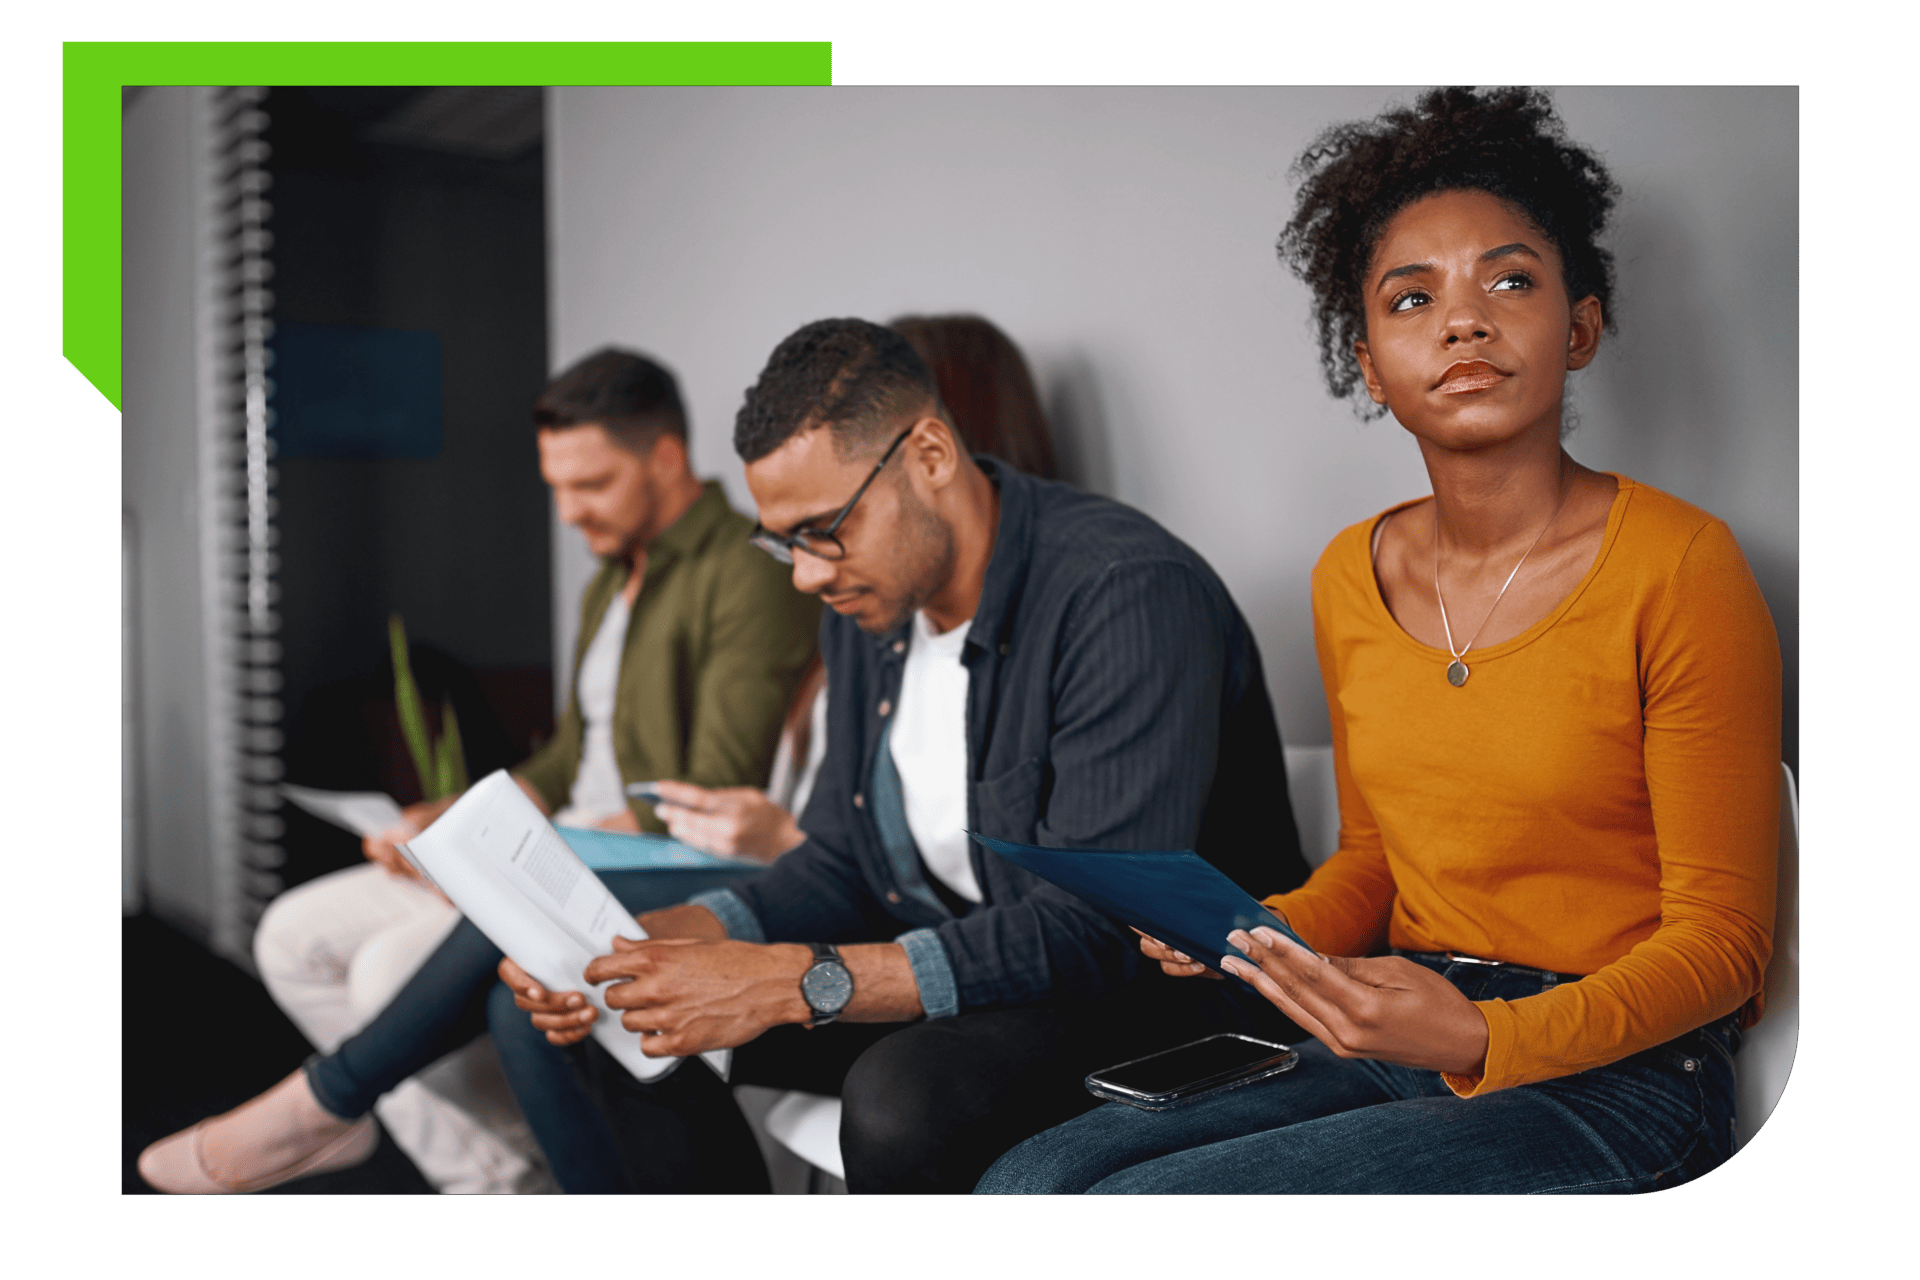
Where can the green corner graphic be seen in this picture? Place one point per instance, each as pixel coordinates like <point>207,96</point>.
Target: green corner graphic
<point>95,72</point>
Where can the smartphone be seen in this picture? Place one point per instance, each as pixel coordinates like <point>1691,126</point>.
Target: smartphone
<point>645,793</point>
<point>1166,1079</point>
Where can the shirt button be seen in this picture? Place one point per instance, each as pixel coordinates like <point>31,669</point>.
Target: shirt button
<point>1004,649</point>
<point>886,706</point>
<point>899,646</point>
<point>859,801</point>
<point>892,896</point>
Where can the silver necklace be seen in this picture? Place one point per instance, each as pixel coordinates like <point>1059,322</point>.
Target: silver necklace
<point>1457,672</point>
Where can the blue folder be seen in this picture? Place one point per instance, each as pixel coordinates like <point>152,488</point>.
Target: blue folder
<point>1175,895</point>
<point>626,851</point>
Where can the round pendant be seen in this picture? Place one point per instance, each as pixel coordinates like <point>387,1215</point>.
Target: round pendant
<point>1457,673</point>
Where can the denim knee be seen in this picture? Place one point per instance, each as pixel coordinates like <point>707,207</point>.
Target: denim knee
<point>1047,1164</point>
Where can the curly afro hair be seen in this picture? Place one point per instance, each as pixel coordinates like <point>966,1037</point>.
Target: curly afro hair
<point>1354,178</point>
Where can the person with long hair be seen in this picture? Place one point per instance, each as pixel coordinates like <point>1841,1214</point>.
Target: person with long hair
<point>986,386</point>
<point>1555,705</point>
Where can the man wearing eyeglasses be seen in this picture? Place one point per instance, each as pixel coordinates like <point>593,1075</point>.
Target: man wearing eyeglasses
<point>1009,656</point>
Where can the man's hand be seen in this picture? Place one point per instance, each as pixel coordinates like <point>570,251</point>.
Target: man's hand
<point>565,1016</point>
<point>734,822</point>
<point>414,819</point>
<point>683,995</point>
<point>702,990</point>
<point>1177,964</point>
<point>1385,1007</point>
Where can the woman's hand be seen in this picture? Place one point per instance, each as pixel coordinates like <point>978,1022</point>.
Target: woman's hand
<point>1176,964</point>
<point>1385,1007</point>
<point>734,822</point>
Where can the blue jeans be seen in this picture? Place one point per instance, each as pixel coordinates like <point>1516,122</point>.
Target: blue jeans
<point>455,996</point>
<point>1337,1126</point>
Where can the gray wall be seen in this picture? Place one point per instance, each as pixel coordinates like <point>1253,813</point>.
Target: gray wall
<point>1124,237</point>
<point>387,236</point>
<point>168,835</point>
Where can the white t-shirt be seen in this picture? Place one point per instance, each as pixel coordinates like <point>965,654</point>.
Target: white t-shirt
<point>929,747</point>
<point>790,784</point>
<point>597,791</point>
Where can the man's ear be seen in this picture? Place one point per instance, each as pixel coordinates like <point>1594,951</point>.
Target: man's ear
<point>933,452</point>
<point>1365,357</point>
<point>667,455</point>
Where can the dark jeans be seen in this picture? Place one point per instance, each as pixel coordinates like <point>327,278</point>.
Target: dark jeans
<point>927,1106</point>
<point>1653,1120</point>
<point>456,996</point>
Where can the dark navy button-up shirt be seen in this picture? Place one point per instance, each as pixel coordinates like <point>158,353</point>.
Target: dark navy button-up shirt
<point>1115,701</point>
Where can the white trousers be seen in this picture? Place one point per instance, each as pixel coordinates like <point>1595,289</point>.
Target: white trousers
<point>332,953</point>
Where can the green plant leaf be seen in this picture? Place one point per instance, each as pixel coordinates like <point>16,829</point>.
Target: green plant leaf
<point>406,702</point>
<point>457,748</point>
<point>450,757</point>
<point>442,769</point>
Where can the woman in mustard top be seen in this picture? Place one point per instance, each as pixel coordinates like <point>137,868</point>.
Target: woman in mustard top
<point>1555,704</point>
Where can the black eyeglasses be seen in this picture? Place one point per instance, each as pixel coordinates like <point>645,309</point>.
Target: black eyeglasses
<point>820,542</point>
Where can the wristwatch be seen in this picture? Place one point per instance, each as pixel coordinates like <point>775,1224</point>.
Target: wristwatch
<point>827,986</point>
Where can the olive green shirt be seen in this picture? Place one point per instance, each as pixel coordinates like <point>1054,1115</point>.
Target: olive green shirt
<point>714,649</point>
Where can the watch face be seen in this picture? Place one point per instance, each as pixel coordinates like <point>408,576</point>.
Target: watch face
<point>827,986</point>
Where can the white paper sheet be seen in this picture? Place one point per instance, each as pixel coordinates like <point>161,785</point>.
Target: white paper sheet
<point>365,813</point>
<point>502,863</point>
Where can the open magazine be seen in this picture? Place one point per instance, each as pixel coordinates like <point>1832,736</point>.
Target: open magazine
<point>365,813</point>
<point>374,813</point>
<point>499,860</point>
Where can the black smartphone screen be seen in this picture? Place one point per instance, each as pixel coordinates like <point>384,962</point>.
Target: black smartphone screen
<point>1189,1064</point>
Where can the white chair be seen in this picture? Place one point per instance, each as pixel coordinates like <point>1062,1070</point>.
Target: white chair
<point>1316,801</point>
<point>809,1125</point>
<point>1765,1060</point>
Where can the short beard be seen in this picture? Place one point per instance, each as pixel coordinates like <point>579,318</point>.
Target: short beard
<point>926,555</point>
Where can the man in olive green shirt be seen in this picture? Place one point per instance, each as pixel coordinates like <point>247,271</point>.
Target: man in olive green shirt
<point>699,644</point>
<point>690,644</point>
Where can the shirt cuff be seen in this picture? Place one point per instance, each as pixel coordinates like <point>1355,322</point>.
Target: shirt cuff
<point>1494,1073</point>
<point>735,916</point>
<point>932,972</point>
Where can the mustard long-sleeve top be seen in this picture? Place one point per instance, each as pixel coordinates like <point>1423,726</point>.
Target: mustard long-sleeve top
<point>1600,798</point>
